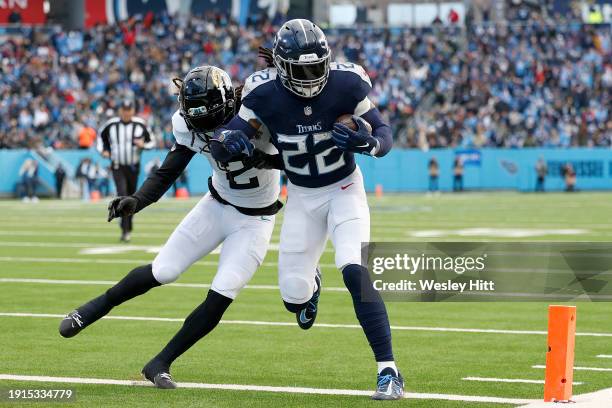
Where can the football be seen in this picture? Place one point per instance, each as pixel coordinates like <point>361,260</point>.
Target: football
<point>347,120</point>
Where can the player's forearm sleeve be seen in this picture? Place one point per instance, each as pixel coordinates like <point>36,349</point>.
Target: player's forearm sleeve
<point>158,182</point>
<point>380,130</point>
<point>238,123</point>
<point>217,150</point>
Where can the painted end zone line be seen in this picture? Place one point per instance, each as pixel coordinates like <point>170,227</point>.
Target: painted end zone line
<point>580,368</point>
<point>264,388</point>
<point>509,380</point>
<point>326,325</point>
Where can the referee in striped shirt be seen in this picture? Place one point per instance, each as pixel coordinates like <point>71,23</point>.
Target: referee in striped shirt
<point>122,139</point>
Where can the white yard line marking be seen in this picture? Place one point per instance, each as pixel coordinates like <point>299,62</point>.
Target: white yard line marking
<point>597,399</point>
<point>264,388</point>
<point>509,380</point>
<point>105,282</point>
<point>580,368</point>
<point>326,325</point>
<point>604,356</point>
<point>105,249</point>
<point>144,234</point>
<point>26,233</point>
<point>115,261</point>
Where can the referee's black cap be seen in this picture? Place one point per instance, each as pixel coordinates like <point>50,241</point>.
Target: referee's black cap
<point>127,104</point>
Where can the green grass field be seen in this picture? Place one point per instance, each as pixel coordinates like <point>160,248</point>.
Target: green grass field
<point>55,255</point>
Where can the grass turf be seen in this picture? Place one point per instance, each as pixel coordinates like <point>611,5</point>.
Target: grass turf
<point>47,240</point>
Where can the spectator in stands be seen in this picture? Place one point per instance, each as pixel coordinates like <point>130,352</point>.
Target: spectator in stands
<point>434,172</point>
<point>457,174</point>
<point>453,16</point>
<point>569,176</point>
<point>543,82</point>
<point>14,17</point>
<point>60,176</point>
<point>29,180</point>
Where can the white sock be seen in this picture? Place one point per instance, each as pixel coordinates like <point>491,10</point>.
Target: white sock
<point>384,364</point>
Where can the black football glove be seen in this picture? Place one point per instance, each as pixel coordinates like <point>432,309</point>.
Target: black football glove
<point>261,160</point>
<point>122,207</point>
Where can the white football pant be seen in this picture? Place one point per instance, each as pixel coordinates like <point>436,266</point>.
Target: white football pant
<point>245,243</point>
<point>339,211</point>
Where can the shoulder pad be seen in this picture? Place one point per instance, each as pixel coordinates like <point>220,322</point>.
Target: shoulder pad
<point>351,67</point>
<point>180,130</point>
<point>258,79</point>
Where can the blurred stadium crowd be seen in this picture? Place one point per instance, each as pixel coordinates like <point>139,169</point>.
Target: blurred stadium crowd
<point>536,83</point>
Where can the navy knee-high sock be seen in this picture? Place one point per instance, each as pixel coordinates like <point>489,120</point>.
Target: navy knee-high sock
<point>371,312</point>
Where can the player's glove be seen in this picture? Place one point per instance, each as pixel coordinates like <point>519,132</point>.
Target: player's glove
<point>122,207</point>
<point>236,142</point>
<point>358,141</point>
<point>261,160</point>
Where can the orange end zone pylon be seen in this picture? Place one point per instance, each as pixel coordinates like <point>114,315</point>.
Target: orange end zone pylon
<point>560,355</point>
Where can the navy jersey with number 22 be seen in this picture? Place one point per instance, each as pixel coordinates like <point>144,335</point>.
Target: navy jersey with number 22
<point>301,128</point>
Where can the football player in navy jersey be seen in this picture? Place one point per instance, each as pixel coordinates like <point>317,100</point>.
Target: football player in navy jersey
<point>300,100</point>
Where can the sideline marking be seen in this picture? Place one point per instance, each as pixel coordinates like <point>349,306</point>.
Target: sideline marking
<point>264,388</point>
<point>509,380</point>
<point>326,325</point>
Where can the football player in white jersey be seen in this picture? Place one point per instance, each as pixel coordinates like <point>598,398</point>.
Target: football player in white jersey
<point>238,211</point>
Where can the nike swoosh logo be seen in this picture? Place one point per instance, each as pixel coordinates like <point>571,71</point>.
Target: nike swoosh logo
<point>347,186</point>
<point>303,318</point>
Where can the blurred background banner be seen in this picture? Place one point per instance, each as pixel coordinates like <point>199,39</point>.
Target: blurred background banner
<point>401,171</point>
<point>31,11</point>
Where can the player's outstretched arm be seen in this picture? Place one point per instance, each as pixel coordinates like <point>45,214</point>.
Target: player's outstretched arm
<point>155,186</point>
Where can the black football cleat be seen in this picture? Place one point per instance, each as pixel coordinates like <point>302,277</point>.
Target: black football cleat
<point>71,325</point>
<point>159,374</point>
<point>306,317</point>
<point>390,386</point>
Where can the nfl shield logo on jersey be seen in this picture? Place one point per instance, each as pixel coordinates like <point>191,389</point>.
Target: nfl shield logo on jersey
<point>307,110</point>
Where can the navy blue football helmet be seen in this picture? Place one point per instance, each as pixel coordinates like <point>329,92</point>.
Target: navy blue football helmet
<point>301,57</point>
<point>206,97</point>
